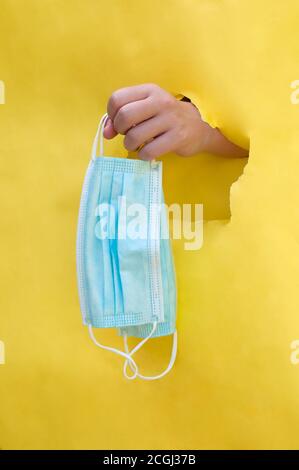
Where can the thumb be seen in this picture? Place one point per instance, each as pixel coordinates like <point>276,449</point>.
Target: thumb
<point>109,131</point>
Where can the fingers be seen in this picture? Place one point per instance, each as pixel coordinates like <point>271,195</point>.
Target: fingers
<point>126,95</point>
<point>144,131</point>
<point>160,145</point>
<point>142,113</point>
<point>134,113</point>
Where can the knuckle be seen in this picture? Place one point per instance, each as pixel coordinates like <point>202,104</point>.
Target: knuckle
<point>122,114</point>
<point>153,86</point>
<point>166,100</point>
<point>183,152</point>
<point>120,122</point>
<point>146,153</point>
<point>130,141</point>
<point>112,103</point>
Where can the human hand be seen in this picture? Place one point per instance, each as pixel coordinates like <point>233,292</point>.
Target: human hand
<point>151,117</point>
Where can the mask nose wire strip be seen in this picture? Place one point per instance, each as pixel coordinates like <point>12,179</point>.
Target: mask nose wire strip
<point>133,364</point>
<point>96,139</point>
<point>144,377</point>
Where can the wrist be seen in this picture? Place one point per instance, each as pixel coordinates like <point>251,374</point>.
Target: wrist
<point>203,131</point>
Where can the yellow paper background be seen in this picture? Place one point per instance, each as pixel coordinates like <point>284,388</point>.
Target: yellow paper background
<point>233,385</point>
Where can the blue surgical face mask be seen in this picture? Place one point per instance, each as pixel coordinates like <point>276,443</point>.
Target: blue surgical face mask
<point>126,275</point>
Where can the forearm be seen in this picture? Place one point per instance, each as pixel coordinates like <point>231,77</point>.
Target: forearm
<point>211,140</point>
<point>218,144</point>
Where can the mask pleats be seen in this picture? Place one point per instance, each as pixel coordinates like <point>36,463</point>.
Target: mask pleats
<point>116,191</point>
<point>103,226</point>
<point>132,251</point>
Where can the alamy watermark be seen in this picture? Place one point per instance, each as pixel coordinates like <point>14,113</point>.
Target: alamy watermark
<point>2,352</point>
<point>295,94</point>
<point>2,92</point>
<point>137,221</point>
<point>294,356</point>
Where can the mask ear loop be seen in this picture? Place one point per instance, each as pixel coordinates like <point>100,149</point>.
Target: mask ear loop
<point>103,120</point>
<point>139,345</point>
<point>132,363</point>
<point>100,135</point>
